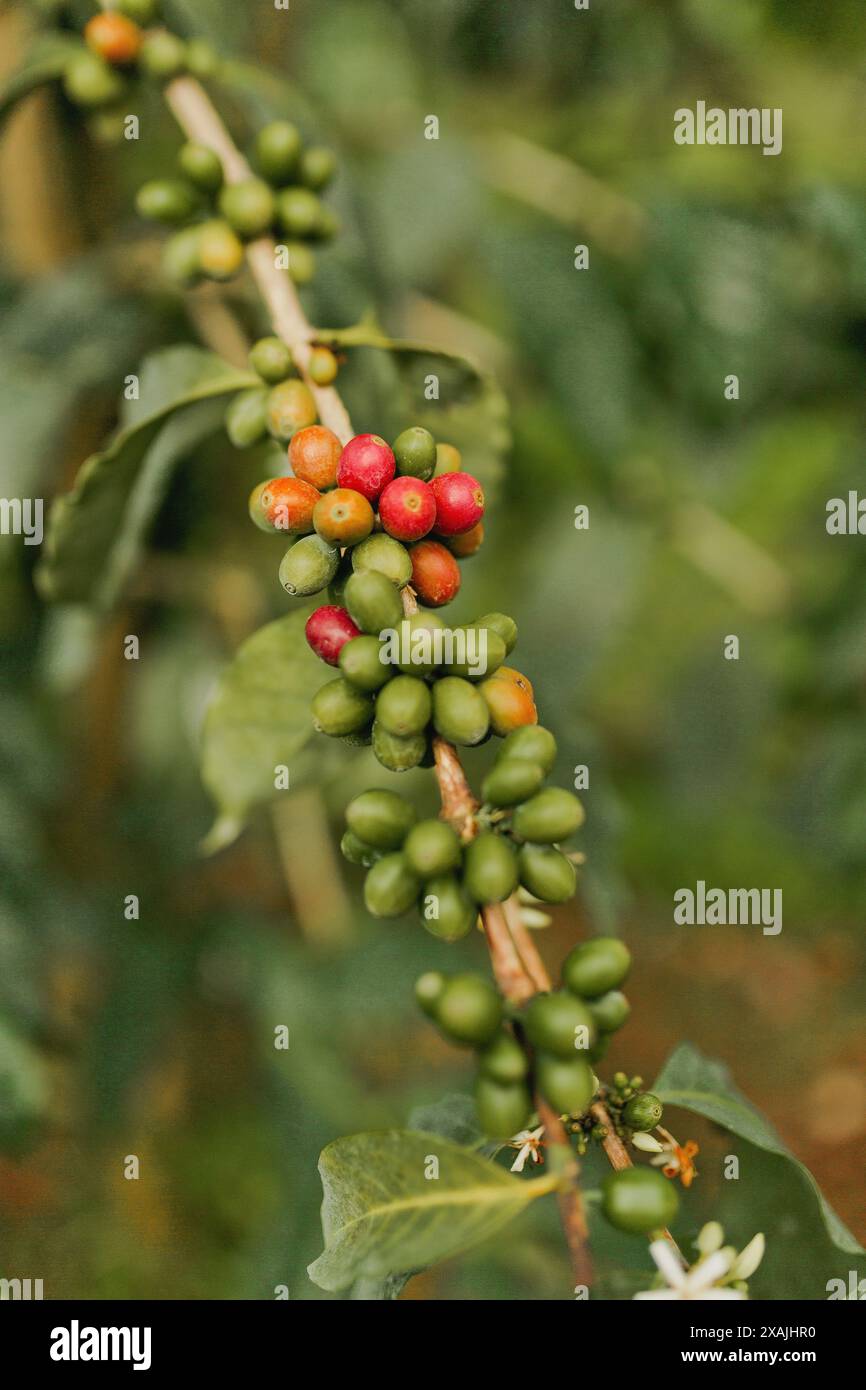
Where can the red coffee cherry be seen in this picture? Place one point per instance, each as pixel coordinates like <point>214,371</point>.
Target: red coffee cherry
<point>328,630</point>
<point>314,454</point>
<point>114,37</point>
<point>435,573</point>
<point>459,503</point>
<point>407,508</point>
<point>284,504</point>
<point>468,543</point>
<point>343,516</point>
<point>366,464</point>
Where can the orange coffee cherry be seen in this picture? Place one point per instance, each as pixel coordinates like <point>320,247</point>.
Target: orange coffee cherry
<point>343,516</point>
<point>314,454</point>
<point>114,37</point>
<point>508,696</point>
<point>284,504</point>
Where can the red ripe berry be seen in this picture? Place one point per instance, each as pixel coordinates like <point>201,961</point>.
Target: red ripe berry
<point>459,503</point>
<point>435,573</point>
<point>366,464</point>
<point>407,508</point>
<point>328,630</point>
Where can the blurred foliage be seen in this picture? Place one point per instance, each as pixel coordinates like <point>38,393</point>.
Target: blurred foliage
<point>155,1036</point>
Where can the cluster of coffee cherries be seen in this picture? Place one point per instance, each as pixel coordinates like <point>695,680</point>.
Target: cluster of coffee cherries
<point>284,407</point>
<point>546,1048</point>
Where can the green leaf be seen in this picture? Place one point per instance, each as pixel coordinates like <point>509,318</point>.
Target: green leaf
<point>697,1083</point>
<point>96,531</point>
<point>258,720</point>
<point>381,1215</point>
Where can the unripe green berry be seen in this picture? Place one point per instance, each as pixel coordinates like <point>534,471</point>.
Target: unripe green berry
<point>162,55</point>
<point>356,851</point>
<point>390,887</point>
<point>489,654</point>
<point>459,711</point>
<point>201,165</point>
<point>316,167</point>
<point>271,359</point>
<point>248,207</point>
<point>246,417</point>
<point>469,1010</point>
<point>398,752</point>
<point>382,819</point>
<point>432,848</point>
<point>568,1085</point>
<point>338,708</point>
<point>389,557</point>
<point>643,1112</point>
<point>291,407</point>
<point>307,567</point>
<point>404,706</point>
<point>447,911</point>
<point>512,780</point>
<point>276,151</point>
<point>428,988</point>
<point>547,873</point>
<point>548,817</point>
<point>596,966</point>
<point>490,868</point>
<point>532,742</point>
<point>360,663</point>
<point>639,1200</point>
<point>420,628</point>
<point>503,625</point>
<point>298,212</point>
<point>323,366</point>
<point>504,1060</point>
<point>415,453</point>
<point>181,256</point>
<point>166,200</point>
<point>610,1010</point>
<point>201,58</point>
<point>560,1024</point>
<point>302,262</point>
<point>502,1110</point>
<point>373,602</point>
<point>90,82</point>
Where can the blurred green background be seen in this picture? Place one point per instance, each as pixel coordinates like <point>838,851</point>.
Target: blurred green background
<point>154,1037</point>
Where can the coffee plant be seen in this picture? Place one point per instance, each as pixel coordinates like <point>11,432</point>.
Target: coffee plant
<point>377,527</point>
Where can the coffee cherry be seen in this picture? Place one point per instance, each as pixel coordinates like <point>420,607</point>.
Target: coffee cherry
<point>308,566</point>
<point>595,966</point>
<point>343,516</point>
<point>302,262</point>
<point>435,573</point>
<point>390,887</point>
<point>448,460</point>
<point>501,623</point>
<point>328,630</point>
<point>361,664</point>
<point>114,37</point>
<point>284,504</point>
<point>290,407</point>
<point>140,11</point>
<point>339,708</point>
<point>298,211</point>
<point>639,1201</point>
<point>469,1010</point>
<point>468,544</point>
<point>459,713</point>
<point>166,200</point>
<point>509,701</point>
<point>323,366</point>
<point>490,868</point>
<point>181,257</point>
<point>245,418</point>
<point>504,1060</point>
<point>547,873</point>
<point>387,556</point>
<point>643,1112</point>
<point>569,1085</point>
<point>373,601</point>
<point>428,988</point>
<point>313,455</point>
<point>502,1110</point>
<point>511,781</point>
<point>560,1024</point>
<point>317,167</point>
<point>201,165</point>
<point>432,848</point>
<point>398,752</point>
<point>90,82</point>
<point>610,1010</point>
<point>356,851</point>
<point>407,508</point>
<point>415,452</point>
<point>271,359</point>
<point>201,59</point>
<point>535,744</point>
<point>163,55</point>
<point>404,706</point>
<point>367,465</point>
<point>380,818</point>
<point>455,912</point>
<point>276,151</point>
<point>459,503</point>
<point>221,252</point>
<point>489,660</point>
<point>548,817</point>
<point>248,207</point>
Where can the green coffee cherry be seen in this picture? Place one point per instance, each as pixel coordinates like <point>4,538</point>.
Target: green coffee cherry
<point>398,752</point>
<point>547,873</point>
<point>90,82</point>
<point>246,417</point>
<point>404,706</point>
<point>532,742</point>
<point>490,868</point>
<point>643,1112</point>
<point>548,817</point>
<point>248,207</point>
<point>495,655</point>
<point>308,566</point>
<point>277,150</point>
<point>469,1010</point>
<point>291,407</point>
<point>596,966</point>
<point>356,851</point>
<point>390,887</point>
<point>504,1060</point>
<point>359,662</point>
<point>141,12</point>
<point>317,167</point>
<point>221,252</point>
<point>162,55</point>
<point>181,256</point>
<point>373,602</point>
<point>501,624</point>
<point>380,818</point>
<point>383,553</point>
<point>639,1201</point>
<point>560,1024</point>
<point>302,262</point>
<point>460,713</point>
<point>432,848</point>
<point>271,359</point>
<point>610,1010</point>
<point>201,165</point>
<point>569,1086</point>
<point>512,780</point>
<point>166,200</point>
<point>421,651</point>
<point>201,59</point>
<point>502,1110</point>
<point>338,708</point>
<point>447,911</point>
<point>298,212</point>
<point>428,988</point>
<point>415,452</point>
